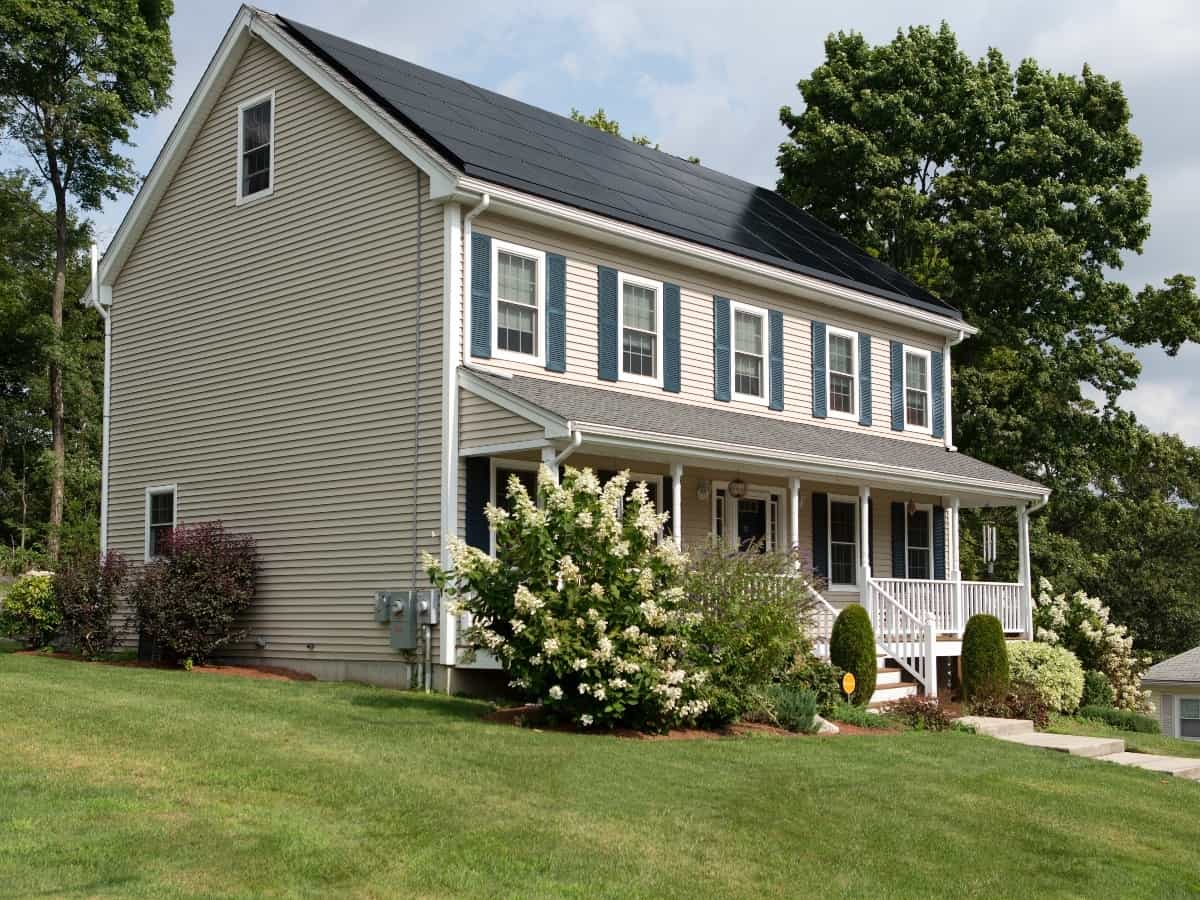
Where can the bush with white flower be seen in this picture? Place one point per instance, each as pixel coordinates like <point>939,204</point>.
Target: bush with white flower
<point>1082,625</point>
<point>582,603</point>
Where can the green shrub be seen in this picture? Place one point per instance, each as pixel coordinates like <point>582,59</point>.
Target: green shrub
<point>920,713</point>
<point>1120,718</point>
<point>1021,702</point>
<point>1053,672</point>
<point>750,632</point>
<point>852,649</point>
<point>190,601</point>
<point>852,714</point>
<point>28,612</point>
<point>820,677</point>
<point>793,708</point>
<point>86,590</point>
<point>1097,690</point>
<point>985,664</point>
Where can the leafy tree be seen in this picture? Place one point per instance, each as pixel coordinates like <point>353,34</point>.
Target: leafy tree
<point>74,77</point>
<point>1012,193</point>
<point>600,120</point>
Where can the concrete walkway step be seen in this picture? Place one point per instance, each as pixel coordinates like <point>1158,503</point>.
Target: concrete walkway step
<point>1179,766</point>
<point>1073,744</point>
<point>995,727</point>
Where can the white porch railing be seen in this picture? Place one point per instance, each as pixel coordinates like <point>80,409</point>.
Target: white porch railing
<point>923,598</point>
<point>1007,602</point>
<point>906,638</point>
<point>952,603</point>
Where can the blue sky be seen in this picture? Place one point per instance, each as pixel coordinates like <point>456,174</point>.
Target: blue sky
<point>709,78</point>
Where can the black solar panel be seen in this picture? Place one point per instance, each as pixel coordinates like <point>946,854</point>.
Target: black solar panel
<point>511,143</point>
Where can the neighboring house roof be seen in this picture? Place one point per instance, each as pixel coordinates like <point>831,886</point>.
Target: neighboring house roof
<point>770,436</point>
<point>513,144</point>
<point>1183,668</point>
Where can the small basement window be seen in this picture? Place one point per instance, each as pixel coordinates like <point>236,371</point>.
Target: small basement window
<point>160,519</point>
<point>256,156</point>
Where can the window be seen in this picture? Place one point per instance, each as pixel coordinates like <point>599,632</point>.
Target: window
<point>640,324</point>
<point>843,374</point>
<point>518,300</point>
<point>160,519</point>
<point>843,542</point>
<point>256,147</point>
<point>916,389</point>
<point>919,541</point>
<point>502,472</point>
<point>749,336</point>
<point>1189,718</point>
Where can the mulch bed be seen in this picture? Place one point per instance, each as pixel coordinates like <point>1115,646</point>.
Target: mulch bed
<point>269,673</point>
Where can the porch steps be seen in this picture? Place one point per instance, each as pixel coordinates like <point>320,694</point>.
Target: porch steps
<point>890,685</point>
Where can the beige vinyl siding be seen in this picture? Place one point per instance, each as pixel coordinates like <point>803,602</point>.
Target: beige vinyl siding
<point>265,360</point>
<point>696,339</point>
<point>482,423</point>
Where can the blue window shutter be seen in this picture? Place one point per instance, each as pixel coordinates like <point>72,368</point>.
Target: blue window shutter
<point>820,410</point>
<point>668,495</point>
<point>479,495</point>
<point>720,348</point>
<point>820,531</point>
<point>775,353</point>
<point>556,313</point>
<point>864,379</point>
<point>897,386</point>
<point>937,381</point>
<point>481,295</point>
<point>671,338</point>
<point>939,543</point>
<point>609,360</point>
<point>899,543</point>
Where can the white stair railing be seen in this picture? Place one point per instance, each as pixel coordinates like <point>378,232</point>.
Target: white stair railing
<point>909,640</point>
<point>820,623</point>
<point>923,596</point>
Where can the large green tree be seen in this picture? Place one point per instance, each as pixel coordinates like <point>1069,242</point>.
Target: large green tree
<point>74,77</point>
<point>1013,193</point>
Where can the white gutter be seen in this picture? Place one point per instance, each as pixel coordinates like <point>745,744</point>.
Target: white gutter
<point>1037,506</point>
<point>948,393</point>
<point>93,299</point>
<point>576,440</point>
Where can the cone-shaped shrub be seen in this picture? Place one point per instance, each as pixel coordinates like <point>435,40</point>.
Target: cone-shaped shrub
<point>852,649</point>
<point>984,659</point>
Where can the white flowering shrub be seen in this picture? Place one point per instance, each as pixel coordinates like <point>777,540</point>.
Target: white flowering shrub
<point>582,603</point>
<point>1082,625</point>
<point>1054,673</point>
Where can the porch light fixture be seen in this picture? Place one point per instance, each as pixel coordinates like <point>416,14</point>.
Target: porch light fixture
<point>737,489</point>
<point>702,490</point>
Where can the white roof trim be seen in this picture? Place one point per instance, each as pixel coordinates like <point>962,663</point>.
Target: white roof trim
<point>247,23</point>
<point>555,426</point>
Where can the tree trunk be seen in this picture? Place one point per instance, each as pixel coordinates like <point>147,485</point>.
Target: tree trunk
<point>57,411</point>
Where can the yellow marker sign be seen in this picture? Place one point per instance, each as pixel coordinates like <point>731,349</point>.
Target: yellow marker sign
<point>848,684</point>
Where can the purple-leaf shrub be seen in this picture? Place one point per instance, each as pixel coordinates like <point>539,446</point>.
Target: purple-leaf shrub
<point>87,589</point>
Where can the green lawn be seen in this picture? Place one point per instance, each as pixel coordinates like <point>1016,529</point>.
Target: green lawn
<point>1134,741</point>
<point>128,782</point>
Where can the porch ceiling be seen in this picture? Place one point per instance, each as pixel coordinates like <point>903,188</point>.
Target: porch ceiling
<point>673,430</point>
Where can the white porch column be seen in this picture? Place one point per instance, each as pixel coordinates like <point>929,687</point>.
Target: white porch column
<point>549,455</point>
<point>960,612</point>
<point>794,514</point>
<point>1024,568</point>
<point>677,504</point>
<point>864,549</point>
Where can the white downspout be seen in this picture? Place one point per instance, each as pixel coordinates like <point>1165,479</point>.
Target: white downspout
<point>106,415</point>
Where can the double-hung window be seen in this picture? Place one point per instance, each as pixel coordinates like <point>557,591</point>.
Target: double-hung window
<point>256,147</point>
<point>842,373</point>
<point>919,542</point>
<point>916,389</point>
<point>519,301</point>
<point>749,352</point>
<point>843,541</point>
<point>1189,718</point>
<point>160,519</point>
<point>640,327</point>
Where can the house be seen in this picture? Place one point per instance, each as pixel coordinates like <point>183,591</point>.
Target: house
<point>354,297</point>
<point>1174,686</point>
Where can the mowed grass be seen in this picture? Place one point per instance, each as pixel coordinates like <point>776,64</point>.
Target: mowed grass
<point>131,782</point>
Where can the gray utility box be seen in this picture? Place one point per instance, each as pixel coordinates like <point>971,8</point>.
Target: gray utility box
<point>405,612</point>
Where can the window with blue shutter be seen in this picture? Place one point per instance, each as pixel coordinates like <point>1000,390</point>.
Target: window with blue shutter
<point>775,329</point>
<point>721,360</point>
<point>671,348</point>
<point>556,313</point>
<point>899,541</point>
<point>820,408</point>
<point>939,543</point>
<point>820,531</point>
<point>481,295</point>
<point>897,387</point>
<point>864,378</point>
<point>607,337</point>
<point>939,393</point>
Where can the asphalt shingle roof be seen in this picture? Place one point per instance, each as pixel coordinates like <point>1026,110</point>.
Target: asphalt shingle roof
<point>506,142</point>
<point>1184,667</point>
<point>600,406</point>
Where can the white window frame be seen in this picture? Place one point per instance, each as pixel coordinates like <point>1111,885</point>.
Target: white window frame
<point>770,495</point>
<point>1179,698</point>
<point>270,188</point>
<point>157,491</point>
<point>624,278</point>
<point>852,501</point>
<point>765,398</point>
<point>830,332</point>
<point>520,465</point>
<point>927,428</point>
<point>926,507</point>
<point>539,328</point>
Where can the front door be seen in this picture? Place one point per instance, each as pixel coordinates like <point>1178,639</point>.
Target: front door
<point>752,523</point>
